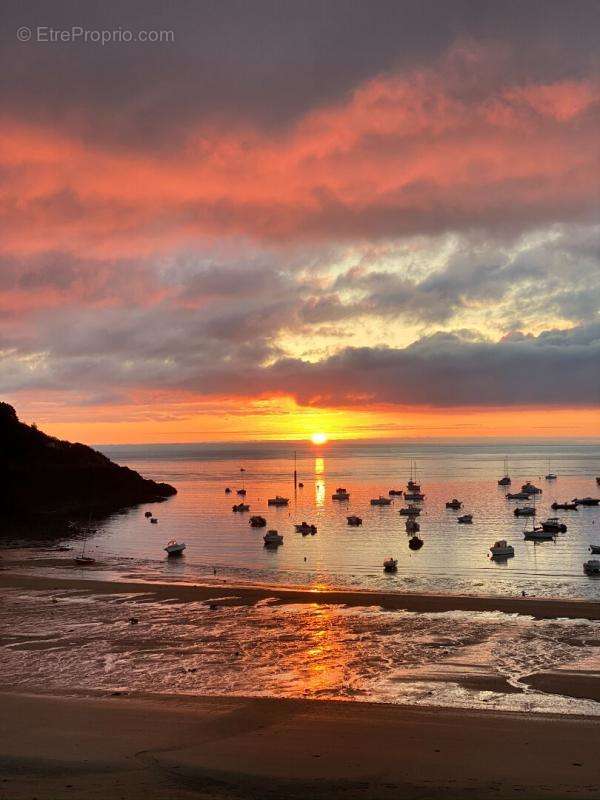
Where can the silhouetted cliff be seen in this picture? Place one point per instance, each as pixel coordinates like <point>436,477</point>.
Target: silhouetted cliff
<point>44,478</point>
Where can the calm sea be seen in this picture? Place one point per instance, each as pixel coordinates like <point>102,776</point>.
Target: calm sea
<point>454,558</point>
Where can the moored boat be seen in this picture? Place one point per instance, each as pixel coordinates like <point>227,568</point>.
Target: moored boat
<point>592,567</point>
<point>412,526</point>
<point>354,520</point>
<point>340,494</point>
<point>563,506</point>
<point>595,548</point>
<point>278,501</point>
<point>380,501</point>
<point>257,521</point>
<point>529,488</point>
<point>174,548</point>
<point>538,534</point>
<point>517,496</point>
<point>410,511</point>
<point>554,525</point>
<point>501,549</point>
<point>586,501</point>
<point>465,519</point>
<point>272,538</point>
<point>525,511</point>
<point>454,504</point>
<point>305,528</point>
<point>390,565</point>
<point>415,543</point>
<point>240,507</point>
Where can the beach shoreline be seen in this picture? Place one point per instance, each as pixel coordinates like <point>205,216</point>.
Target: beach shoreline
<point>241,594</point>
<point>223,747</point>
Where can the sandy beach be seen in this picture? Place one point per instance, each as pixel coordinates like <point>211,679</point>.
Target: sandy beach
<point>230,594</point>
<point>139,747</point>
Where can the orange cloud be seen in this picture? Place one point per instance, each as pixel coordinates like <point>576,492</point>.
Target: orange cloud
<point>403,153</point>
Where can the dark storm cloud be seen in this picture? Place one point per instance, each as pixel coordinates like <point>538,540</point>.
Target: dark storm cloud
<point>269,60</point>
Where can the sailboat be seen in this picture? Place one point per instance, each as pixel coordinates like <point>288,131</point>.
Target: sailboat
<point>82,559</point>
<point>413,486</point>
<point>550,476</point>
<point>505,481</point>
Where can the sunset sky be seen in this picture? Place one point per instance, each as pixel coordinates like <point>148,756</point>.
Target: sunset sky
<point>363,218</point>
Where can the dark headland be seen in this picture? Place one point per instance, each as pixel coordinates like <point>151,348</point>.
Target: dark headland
<point>45,480</point>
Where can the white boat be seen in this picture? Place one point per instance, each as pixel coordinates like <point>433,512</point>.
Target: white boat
<point>550,476</point>
<point>501,549</point>
<point>340,494</point>
<point>354,520</point>
<point>390,565</point>
<point>278,501</point>
<point>175,548</point>
<point>381,501</point>
<point>591,567</point>
<point>272,538</point>
<point>465,519</point>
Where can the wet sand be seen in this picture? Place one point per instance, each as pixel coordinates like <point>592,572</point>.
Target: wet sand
<point>128,747</point>
<point>230,594</point>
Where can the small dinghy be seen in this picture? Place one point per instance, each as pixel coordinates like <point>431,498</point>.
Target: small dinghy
<point>455,504</point>
<point>340,494</point>
<point>272,539</point>
<point>154,520</point>
<point>381,501</point>
<point>501,549</point>
<point>390,565</point>
<point>227,490</point>
<point>410,511</point>
<point>257,522</point>
<point>305,528</point>
<point>148,514</point>
<point>174,548</point>
<point>278,501</point>
<point>395,492</point>
<point>465,519</point>
<point>416,543</point>
<point>354,520</point>
<point>241,492</point>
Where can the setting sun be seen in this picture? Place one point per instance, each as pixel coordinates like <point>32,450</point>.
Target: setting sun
<point>318,438</point>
